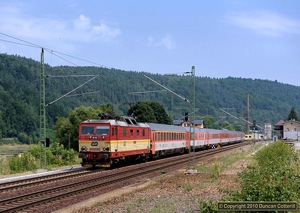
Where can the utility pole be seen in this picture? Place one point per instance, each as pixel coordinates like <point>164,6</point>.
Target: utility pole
<point>192,126</point>
<point>42,110</point>
<point>248,115</point>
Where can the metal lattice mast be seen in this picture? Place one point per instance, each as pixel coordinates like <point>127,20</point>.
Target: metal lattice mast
<point>193,110</point>
<point>42,107</point>
<point>248,115</point>
<point>191,165</point>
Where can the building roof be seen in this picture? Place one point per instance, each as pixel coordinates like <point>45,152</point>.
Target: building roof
<point>280,123</point>
<point>180,121</point>
<point>292,121</point>
<point>198,122</point>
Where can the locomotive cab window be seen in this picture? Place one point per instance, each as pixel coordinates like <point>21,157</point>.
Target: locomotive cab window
<point>87,130</point>
<point>102,130</point>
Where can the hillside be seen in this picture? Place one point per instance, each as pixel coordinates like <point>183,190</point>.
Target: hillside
<point>19,94</point>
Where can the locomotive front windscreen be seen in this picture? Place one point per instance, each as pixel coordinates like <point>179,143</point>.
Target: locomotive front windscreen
<point>102,130</point>
<point>90,130</point>
<point>87,130</point>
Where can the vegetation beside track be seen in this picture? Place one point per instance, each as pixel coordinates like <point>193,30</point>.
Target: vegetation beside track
<point>273,175</point>
<point>30,160</point>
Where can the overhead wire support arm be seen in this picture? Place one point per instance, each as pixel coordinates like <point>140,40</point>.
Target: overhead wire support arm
<point>237,117</point>
<point>66,76</point>
<point>71,91</point>
<point>228,113</point>
<point>168,89</point>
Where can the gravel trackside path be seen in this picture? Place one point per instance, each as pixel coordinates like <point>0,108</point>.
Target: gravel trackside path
<point>171,192</point>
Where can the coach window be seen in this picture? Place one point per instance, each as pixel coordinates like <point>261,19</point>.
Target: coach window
<point>124,132</point>
<point>131,133</point>
<point>137,133</point>
<point>113,131</point>
<point>144,132</point>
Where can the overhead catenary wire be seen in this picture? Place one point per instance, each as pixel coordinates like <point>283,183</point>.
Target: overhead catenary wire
<point>151,91</point>
<point>71,91</point>
<point>168,89</point>
<point>237,117</point>
<point>85,93</point>
<point>30,44</point>
<point>13,42</point>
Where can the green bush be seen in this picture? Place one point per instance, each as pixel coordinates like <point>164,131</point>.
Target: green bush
<point>274,176</point>
<point>31,160</point>
<point>26,162</point>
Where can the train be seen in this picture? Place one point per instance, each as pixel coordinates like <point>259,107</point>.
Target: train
<point>106,143</point>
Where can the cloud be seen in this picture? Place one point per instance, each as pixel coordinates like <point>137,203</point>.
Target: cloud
<point>14,21</point>
<point>264,22</point>
<point>82,23</point>
<point>165,42</point>
<point>106,32</point>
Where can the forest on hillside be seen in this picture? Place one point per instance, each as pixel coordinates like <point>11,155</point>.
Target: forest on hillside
<point>20,95</point>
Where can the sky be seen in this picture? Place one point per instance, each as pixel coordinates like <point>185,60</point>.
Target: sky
<point>257,39</point>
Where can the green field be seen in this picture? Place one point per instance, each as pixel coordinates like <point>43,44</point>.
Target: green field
<point>11,149</point>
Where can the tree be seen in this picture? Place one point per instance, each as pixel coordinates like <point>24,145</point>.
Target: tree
<point>160,113</point>
<point>210,122</point>
<point>142,112</point>
<point>293,115</point>
<point>67,128</point>
<point>65,131</point>
<point>108,108</point>
<point>146,111</point>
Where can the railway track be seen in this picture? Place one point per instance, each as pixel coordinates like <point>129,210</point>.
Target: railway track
<point>15,184</point>
<point>44,200</point>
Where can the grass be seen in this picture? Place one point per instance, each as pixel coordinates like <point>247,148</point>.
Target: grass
<point>8,148</point>
<point>215,168</point>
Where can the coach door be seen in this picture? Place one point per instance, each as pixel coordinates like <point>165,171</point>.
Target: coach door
<point>206,138</point>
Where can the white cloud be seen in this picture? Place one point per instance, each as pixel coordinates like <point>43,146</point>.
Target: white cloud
<point>264,22</point>
<point>166,42</point>
<point>106,32</point>
<point>82,23</point>
<point>14,21</point>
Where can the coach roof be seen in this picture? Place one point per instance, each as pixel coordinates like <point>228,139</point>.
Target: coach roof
<point>165,127</point>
